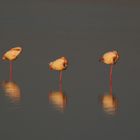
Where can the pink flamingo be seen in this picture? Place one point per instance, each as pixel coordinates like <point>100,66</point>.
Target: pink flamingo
<point>59,64</point>
<point>110,102</point>
<point>12,55</point>
<point>111,59</point>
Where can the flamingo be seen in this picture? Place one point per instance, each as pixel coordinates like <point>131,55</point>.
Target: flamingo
<point>110,102</point>
<point>59,64</point>
<point>110,58</point>
<point>12,55</point>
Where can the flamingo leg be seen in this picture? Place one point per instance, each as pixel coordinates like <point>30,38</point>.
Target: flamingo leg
<point>111,85</point>
<point>11,71</point>
<point>60,81</point>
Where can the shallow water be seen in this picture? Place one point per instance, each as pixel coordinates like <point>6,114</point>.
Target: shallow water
<point>81,31</point>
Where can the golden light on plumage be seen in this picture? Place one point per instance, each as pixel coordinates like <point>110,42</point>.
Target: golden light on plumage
<point>12,91</point>
<point>110,57</point>
<point>12,54</point>
<point>59,64</point>
<point>109,104</point>
<point>58,99</point>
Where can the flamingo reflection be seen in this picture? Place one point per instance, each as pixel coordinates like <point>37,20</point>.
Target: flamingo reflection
<point>12,91</point>
<point>109,104</point>
<point>58,99</point>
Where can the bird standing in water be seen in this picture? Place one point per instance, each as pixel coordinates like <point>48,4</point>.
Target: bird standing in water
<point>59,64</point>
<point>12,55</point>
<point>111,59</point>
<point>110,102</point>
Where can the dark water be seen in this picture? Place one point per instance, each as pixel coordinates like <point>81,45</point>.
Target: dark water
<point>82,31</point>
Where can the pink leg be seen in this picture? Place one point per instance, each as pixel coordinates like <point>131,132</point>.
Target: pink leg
<point>111,68</point>
<point>11,71</point>
<point>60,81</point>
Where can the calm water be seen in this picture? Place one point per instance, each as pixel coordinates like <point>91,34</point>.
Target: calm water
<point>82,31</point>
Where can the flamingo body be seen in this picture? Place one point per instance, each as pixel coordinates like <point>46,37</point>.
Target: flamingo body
<point>110,57</point>
<point>59,64</point>
<point>12,54</point>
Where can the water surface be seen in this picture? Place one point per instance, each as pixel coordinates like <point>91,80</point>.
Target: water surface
<point>82,31</point>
